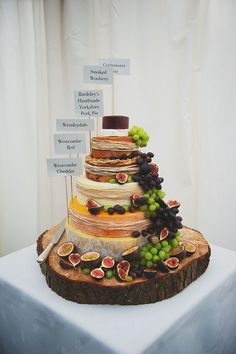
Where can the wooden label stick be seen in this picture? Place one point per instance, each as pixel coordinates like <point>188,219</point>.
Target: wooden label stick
<point>67,205</point>
<point>113,95</point>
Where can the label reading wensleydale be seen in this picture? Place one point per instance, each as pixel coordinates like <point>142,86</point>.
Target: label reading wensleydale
<point>88,103</point>
<point>69,143</point>
<point>75,124</point>
<point>64,167</point>
<point>118,66</point>
<point>94,74</point>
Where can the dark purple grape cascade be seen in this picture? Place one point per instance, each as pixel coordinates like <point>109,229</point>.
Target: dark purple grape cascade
<point>161,215</point>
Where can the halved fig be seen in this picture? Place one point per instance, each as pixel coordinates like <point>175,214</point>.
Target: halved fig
<point>162,267</point>
<point>137,200</point>
<point>93,207</point>
<point>173,204</point>
<point>121,274</point>
<point>65,264</point>
<point>131,254</point>
<point>121,177</point>
<point>74,259</point>
<point>164,234</point>
<point>90,259</point>
<point>108,263</point>
<point>154,169</point>
<point>178,252</point>
<point>172,263</point>
<point>66,249</point>
<point>124,265</point>
<point>97,273</point>
<point>149,273</point>
<point>190,248</point>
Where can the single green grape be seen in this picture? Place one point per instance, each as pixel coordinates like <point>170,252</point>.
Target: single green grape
<point>86,271</point>
<point>141,133</point>
<point>164,243</point>
<point>155,258</point>
<point>142,144</point>
<point>166,249</point>
<point>133,131</point>
<point>161,194</point>
<point>106,207</point>
<point>153,250</point>
<point>146,195</point>
<point>128,278</point>
<point>139,142</point>
<point>130,179</point>
<point>177,238</point>
<point>112,180</point>
<point>162,254</point>
<point>174,242</point>
<point>154,196</point>
<point>158,246</point>
<point>136,137</point>
<point>177,233</point>
<point>126,207</point>
<point>149,264</point>
<point>151,201</point>
<point>149,245</point>
<point>148,256</point>
<point>109,274</point>
<point>152,207</point>
<point>142,254</point>
<point>142,261</point>
<point>144,249</point>
<point>148,214</point>
<point>143,207</point>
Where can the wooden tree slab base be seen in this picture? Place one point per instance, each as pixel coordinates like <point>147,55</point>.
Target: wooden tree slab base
<point>75,286</point>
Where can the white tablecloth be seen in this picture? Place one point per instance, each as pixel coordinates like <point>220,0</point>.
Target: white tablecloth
<point>35,320</point>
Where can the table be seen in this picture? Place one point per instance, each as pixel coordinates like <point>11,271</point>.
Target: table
<point>33,319</point>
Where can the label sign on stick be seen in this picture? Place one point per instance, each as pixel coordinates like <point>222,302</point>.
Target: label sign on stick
<point>64,167</point>
<point>118,66</point>
<point>75,124</point>
<point>89,103</point>
<point>94,74</point>
<point>69,143</point>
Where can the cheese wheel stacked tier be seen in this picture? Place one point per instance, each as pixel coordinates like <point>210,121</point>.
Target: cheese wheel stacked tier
<point>110,235</point>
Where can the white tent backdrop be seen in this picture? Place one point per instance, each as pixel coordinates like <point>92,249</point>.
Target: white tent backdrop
<point>182,90</point>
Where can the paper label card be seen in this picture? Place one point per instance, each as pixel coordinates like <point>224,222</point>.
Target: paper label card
<point>64,167</point>
<point>75,124</point>
<point>94,74</point>
<point>69,143</point>
<point>88,103</point>
<point>118,66</point>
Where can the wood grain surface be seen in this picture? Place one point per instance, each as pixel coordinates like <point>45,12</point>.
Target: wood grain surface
<point>75,286</point>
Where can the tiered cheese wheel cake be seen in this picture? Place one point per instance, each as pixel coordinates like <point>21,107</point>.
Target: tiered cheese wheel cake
<point>124,243</point>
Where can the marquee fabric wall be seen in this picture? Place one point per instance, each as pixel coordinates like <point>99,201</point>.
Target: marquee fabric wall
<point>182,90</point>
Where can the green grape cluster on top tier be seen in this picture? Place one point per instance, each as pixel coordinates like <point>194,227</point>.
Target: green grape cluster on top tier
<point>139,135</point>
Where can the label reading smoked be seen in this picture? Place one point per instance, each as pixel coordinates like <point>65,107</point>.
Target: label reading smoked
<point>75,124</point>
<point>64,167</point>
<point>88,103</point>
<point>94,74</point>
<point>69,143</point>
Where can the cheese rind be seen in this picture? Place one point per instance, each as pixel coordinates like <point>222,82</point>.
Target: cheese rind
<point>112,247</point>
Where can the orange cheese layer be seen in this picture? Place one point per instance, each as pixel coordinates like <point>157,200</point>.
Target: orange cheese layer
<point>105,225</point>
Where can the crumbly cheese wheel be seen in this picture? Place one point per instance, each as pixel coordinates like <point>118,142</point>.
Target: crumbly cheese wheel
<point>112,247</point>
